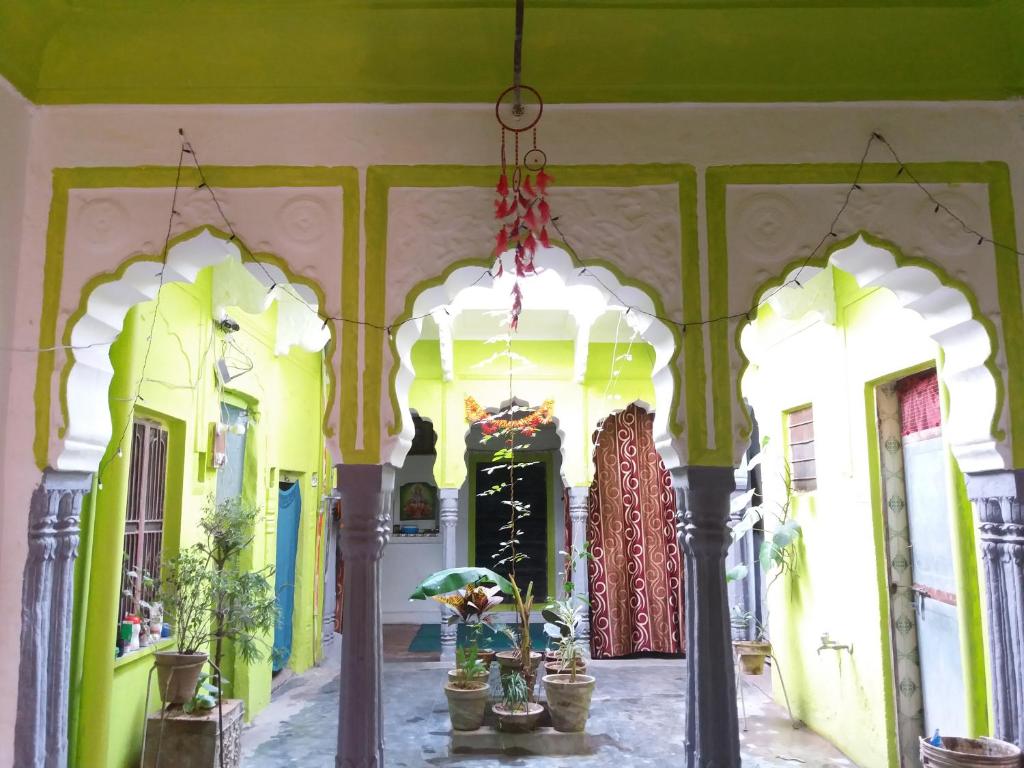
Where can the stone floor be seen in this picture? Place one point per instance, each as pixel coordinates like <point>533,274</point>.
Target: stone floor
<point>636,720</point>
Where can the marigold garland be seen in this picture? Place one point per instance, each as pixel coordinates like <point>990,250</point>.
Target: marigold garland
<point>526,424</point>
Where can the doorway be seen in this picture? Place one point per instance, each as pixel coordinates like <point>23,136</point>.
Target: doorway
<point>924,627</point>
<point>289,510</point>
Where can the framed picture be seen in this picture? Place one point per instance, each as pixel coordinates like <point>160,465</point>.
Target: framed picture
<point>417,502</point>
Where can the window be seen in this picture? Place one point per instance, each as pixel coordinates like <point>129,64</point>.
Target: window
<point>144,515</point>
<point>801,449</point>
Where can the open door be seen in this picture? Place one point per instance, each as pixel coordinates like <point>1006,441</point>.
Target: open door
<point>289,507</point>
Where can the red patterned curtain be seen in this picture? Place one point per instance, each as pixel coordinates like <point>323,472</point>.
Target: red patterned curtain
<point>636,576</point>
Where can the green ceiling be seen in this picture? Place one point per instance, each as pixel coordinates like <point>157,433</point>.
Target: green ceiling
<point>278,51</point>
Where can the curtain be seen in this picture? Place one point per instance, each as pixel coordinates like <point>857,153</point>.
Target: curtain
<point>288,511</point>
<point>636,575</point>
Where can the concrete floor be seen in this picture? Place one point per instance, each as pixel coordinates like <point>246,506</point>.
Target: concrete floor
<point>636,720</point>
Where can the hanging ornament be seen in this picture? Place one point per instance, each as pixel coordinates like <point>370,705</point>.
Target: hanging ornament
<point>520,207</point>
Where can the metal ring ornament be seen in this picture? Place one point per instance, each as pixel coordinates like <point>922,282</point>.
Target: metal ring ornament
<point>535,159</point>
<point>501,98</point>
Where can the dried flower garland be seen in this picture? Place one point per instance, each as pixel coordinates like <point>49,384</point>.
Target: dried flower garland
<point>526,425</point>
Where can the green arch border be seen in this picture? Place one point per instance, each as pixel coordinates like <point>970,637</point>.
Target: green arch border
<point>382,178</point>
<point>902,261</point>
<point>995,176</point>
<point>65,180</point>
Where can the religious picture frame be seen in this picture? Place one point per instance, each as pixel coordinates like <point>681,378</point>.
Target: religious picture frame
<point>417,502</point>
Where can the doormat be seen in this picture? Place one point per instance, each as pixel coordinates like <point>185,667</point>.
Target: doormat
<point>428,638</point>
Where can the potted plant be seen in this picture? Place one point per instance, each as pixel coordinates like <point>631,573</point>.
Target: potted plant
<point>511,661</point>
<point>472,606</point>
<point>467,692</point>
<point>568,690</point>
<point>751,653</point>
<point>516,712</point>
<point>212,598</point>
<point>776,555</point>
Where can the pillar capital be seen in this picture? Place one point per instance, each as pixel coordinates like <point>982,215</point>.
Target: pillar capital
<point>366,492</point>
<point>449,503</point>
<point>579,502</point>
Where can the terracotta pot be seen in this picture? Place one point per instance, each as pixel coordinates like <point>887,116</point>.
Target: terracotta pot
<point>485,657</point>
<point>178,675</point>
<point>510,662</point>
<point>522,720</point>
<point>751,654</point>
<point>569,702</point>
<point>453,675</point>
<point>555,668</point>
<point>466,706</point>
<point>956,752</point>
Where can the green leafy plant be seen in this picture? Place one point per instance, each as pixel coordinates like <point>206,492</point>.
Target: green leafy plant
<point>777,552</point>
<point>211,597</point>
<point>468,669</point>
<point>563,620</point>
<point>747,619</point>
<point>205,697</point>
<point>515,693</point>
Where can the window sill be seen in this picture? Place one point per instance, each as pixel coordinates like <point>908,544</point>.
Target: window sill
<point>130,658</point>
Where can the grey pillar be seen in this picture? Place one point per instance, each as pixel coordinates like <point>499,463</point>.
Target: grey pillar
<point>712,731</point>
<point>579,508</point>
<point>997,500</point>
<point>366,491</point>
<point>330,574</point>
<point>449,521</point>
<point>41,732</point>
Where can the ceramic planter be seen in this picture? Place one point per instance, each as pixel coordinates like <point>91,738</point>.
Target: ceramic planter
<point>485,657</point>
<point>466,706</point>
<point>520,720</point>
<point>178,675</point>
<point>510,662</point>
<point>751,654</point>
<point>568,701</point>
<point>453,675</point>
<point>553,667</point>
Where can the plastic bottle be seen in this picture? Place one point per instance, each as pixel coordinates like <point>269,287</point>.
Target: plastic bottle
<point>935,740</point>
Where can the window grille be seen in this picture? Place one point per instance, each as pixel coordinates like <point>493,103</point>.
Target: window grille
<point>144,514</point>
<point>803,472</point>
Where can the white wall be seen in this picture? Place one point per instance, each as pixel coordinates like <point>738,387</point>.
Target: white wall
<point>15,121</point>
<point>407,561</point>
<point>360,135</point>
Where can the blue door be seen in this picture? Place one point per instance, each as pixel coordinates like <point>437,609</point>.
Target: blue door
<point>288,508</point>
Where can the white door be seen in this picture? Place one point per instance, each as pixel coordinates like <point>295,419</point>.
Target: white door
<point>931,546</point>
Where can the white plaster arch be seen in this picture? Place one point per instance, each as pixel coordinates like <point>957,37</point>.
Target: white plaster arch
<point>951,319</point>
<point>555,266</point>
<point>88,425</point>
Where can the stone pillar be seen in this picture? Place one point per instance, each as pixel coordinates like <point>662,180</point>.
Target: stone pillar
<point>579,508</point>
<point>997,499</point>
<point>366,491</point>
<point>712,730</point>
<point>41,732</point>
<point>449,522</point>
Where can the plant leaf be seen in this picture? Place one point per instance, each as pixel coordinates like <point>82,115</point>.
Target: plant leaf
<point>451,579</point>
<point>736,573</point>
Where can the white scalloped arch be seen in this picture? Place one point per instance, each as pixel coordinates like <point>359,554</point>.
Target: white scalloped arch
<point>968,369</point>
<point>558,264</point>
<point>88,426</point>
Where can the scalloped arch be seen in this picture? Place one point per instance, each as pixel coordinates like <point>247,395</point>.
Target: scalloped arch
<point>950,312</point>
<point>435,294</point>
<point>99,320</point>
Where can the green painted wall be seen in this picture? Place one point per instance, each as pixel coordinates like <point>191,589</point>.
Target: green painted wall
<point>578,407</point>
<point>285,396</point>
<point>111,51</point>
<point>840,583</point>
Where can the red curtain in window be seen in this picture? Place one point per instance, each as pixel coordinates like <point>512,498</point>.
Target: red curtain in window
<point>919,402</point>
<point>636,576</point>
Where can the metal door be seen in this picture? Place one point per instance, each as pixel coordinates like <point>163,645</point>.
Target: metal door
<point>931,547</point>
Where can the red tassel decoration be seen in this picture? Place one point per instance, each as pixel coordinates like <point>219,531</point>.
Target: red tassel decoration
<point>545,212</point>
<point>530,220</point>
<point>530,244</point>
<point>544,238</point>
<point>501,241</point>
<point>501,208</point>
<point>503,185</point>
<point>523,202</point>
<point>543,180</point>
<point>528,187</point>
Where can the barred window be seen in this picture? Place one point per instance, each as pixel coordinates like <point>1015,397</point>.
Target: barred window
<point>801,449</point>
<point>144,515</point>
